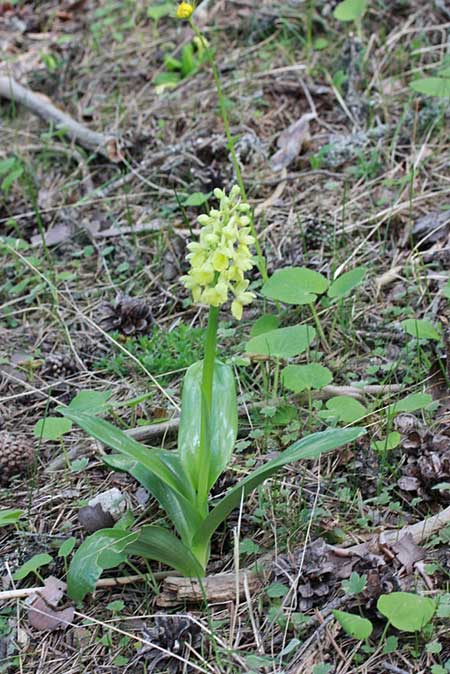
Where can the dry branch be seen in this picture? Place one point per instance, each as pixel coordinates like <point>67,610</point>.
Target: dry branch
<point>40,105</point>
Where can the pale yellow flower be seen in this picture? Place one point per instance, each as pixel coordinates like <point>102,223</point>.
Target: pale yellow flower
<point>184,10</point>
<point>222,255</point>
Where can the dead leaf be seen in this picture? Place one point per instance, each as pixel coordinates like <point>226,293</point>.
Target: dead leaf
<point>53,236</point>
<point>388,277</point>
<point>43,613</point>
<point>408,552</point>
<point>290,142</point>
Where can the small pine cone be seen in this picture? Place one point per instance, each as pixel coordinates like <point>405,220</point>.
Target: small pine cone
<point>16,456</point>
<point>58,366</point>
<point>129,316</point>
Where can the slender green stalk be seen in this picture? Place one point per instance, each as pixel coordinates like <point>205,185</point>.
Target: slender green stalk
<point>231,145</point>
<point>207,395</point>
<point>316,318</point>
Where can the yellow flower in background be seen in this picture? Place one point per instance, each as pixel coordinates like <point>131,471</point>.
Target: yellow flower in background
<point>184,10</point>
<point>222,255</point>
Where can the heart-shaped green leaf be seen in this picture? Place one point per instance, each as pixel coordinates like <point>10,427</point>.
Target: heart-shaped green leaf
<point>299,378</point>
<point>406,611</point>
<point>282,343</point>
<point>295,285</point>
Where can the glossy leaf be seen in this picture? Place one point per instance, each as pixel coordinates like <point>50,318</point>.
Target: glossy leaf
<point>345,283</point>
<point>310,447</point>
<point>223,423</point>
<point>150,458</point>
<point>282,343</point>
<point>105,549</point>
<point>162,546</point>
<point>355,626</point>
<point>299,378</point>
<point>295,285</point>
<point>406,611</point>
<point>182,513</point>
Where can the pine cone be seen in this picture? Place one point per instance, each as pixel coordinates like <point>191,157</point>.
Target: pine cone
<point>58,366</point>
<point>172,634</point>
<point>16,456</point>
<point>129,316</point>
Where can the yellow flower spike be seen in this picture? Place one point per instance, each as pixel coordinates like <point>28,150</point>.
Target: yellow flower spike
<point>184,10</point>
<point>221,255</point>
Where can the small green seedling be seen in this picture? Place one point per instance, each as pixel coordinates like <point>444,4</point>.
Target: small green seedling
<point>406,611</point>
<point>355,584</point>
<point>420,329</point>
<point>32,566</point>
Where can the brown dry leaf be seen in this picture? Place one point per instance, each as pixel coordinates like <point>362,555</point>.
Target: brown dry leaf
<point>57,234</point>
<point>290,142</point>
<point>408,552</point>
<point>388,277</point>
<point>43,613</point>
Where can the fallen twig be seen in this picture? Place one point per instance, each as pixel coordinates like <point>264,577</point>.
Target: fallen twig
<point>106,145</point>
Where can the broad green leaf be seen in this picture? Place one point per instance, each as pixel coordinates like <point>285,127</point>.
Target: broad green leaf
<point>420,328</point>
<point>32,565</point>
<point>52,428</point>
<point>432,86</point>
<point>412,403</point>
<point>182,513</point>
<point>188,64</point>
<point>299,378</point>
<point>105,549</point>
<point>282,343</point>
<point>406,611</point>
<point>346,282</point>
<point>350,10</point>
<point>263,324</point>
<point>310,447</point>
<point>223,423</point>
<point>161,545</point>
<point>355,626</point>
<point>196,199</point>
<point>295,285</point>
<point>391,441</point>
<point>10,516</point>
<point>91,402</point>
<point>150,458</point>
<point>346,408</point>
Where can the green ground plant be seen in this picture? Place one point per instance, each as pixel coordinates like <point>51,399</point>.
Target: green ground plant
<point>181,481</point>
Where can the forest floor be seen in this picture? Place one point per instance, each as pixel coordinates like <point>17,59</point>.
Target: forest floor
<point>92,248</point>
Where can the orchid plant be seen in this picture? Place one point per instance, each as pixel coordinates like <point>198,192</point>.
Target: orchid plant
<point>181,480</point>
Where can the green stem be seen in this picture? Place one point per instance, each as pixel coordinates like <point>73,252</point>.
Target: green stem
<point>323,339</point>
<point>207,395</point>
<point>261,263</point>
